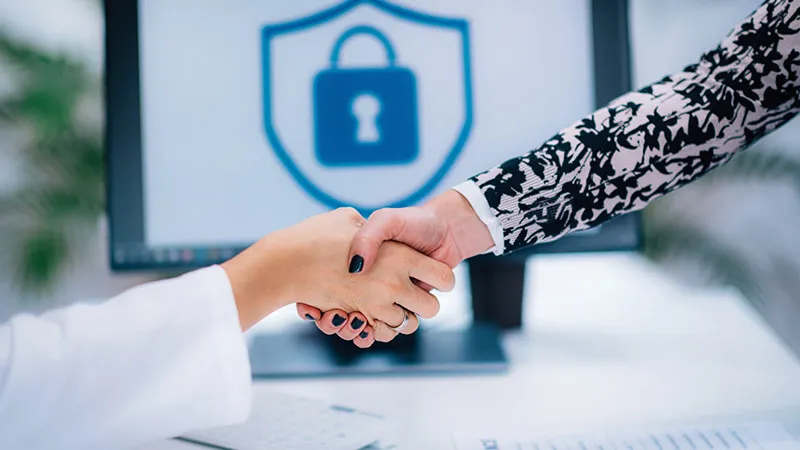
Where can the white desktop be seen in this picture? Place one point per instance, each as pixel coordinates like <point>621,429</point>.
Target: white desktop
<point>629,347</point>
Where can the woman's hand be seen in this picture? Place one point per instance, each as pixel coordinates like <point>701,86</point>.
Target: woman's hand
<point>347,326</point>
<point>446,228</point>
<point>308,263</point>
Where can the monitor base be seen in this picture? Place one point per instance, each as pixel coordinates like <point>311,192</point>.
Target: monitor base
<point>310,353</point>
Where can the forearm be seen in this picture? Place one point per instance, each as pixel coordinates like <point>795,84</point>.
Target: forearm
<point>648,143</point>
<point>261,277</point>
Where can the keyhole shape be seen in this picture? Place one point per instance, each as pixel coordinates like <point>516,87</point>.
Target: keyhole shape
<point>365,109</point>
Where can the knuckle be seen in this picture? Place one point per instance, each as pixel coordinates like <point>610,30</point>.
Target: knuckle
<point>381,332</point>
<point>345,335</point>
<point>350,213</point>
<point>428,310</point>
<point>397,287</point>
<point>347,211</point>
<point>423,304</point>
<point>377,315</point>
<point>447,278</point>
<point>362,239</point>
<point>433,308</point>
<point>381,214</point>
<point>412,327</point>
<point>400,254</point>
<point>384,338</point>
<point>389,291</point>
<point>442,276</point>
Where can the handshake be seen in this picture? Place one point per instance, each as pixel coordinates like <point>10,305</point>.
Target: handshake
<point>365,280</point>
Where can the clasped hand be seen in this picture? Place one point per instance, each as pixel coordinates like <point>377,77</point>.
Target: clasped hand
<point>308,263</point>
<point>446,229</point>
<point>364,280</point>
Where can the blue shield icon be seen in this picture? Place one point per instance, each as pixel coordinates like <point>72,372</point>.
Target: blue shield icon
<point>367,104</point>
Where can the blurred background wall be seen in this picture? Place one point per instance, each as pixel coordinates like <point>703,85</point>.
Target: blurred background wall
<point>65,36</point>
<point>737,226</point>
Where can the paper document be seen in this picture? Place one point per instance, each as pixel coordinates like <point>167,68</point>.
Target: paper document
<point>763,436</point>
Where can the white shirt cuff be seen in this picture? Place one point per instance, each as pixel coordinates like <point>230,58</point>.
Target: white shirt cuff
<point>225,347</point>
<point>476,199</point>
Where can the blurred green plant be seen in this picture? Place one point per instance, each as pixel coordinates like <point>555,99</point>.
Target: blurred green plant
<point>54,106</point>
<point>669,236</point>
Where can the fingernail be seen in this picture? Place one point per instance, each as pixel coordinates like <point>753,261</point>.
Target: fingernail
<point>356,264</point>
<point>356,323</point>
<point>310,317</point>
<point>363,335</point>
<point>338,320</point>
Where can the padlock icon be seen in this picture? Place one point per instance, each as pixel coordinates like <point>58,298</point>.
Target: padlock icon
<point>365,116</point>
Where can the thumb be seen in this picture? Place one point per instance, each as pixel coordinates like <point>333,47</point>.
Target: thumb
<point>382,225</point>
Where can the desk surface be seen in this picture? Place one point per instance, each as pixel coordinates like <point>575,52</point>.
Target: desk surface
<point>609,340</point>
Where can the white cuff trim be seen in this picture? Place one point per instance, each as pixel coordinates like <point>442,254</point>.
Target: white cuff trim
<point>476,199</point>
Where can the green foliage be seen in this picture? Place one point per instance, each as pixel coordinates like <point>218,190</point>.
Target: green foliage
<point>664,240</point>
<point>760,164</point>
<point>665,237</point>
<point>62,193</point>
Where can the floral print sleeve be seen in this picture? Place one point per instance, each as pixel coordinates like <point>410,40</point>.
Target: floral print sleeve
<point>648,143</point>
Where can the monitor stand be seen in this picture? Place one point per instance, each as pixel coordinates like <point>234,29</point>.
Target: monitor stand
<point>496,285</point>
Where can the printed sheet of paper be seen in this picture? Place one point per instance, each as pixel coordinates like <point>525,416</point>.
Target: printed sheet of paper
<point>763,436</point>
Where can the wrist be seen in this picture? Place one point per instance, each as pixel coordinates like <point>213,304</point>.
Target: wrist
<point>470,235</point>
<point>260,278</point>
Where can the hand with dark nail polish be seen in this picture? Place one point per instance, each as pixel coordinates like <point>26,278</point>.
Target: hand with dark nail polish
<point>303,264</point>
<point>331,294</point>
<point>363,335</point>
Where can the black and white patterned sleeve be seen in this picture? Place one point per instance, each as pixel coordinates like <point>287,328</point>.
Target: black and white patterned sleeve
<point>645,144</point>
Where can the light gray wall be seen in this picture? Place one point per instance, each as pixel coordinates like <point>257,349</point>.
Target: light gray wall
<point>74,27</point>
<point>755,220</point>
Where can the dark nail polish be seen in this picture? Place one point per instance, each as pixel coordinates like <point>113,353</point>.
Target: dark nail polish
<point>356,264</point>
<point>363,335</point>
<point>310,317</point>
<point>356,323</point>
<point>338,320</point>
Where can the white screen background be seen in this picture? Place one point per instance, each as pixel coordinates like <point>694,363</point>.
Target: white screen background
<point>210,176</point>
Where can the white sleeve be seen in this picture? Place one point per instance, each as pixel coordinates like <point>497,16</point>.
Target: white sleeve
<point>154,362</point>
<point>475,197</point>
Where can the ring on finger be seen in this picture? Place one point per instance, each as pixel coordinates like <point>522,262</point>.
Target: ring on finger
<point>403,325</point>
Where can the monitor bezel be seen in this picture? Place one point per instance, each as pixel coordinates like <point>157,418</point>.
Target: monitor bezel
<point>612,68</point>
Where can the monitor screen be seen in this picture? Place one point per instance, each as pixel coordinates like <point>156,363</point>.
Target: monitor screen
<point>231,120</point>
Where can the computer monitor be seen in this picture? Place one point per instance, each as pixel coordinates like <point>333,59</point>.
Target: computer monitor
<point>226,121</point>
